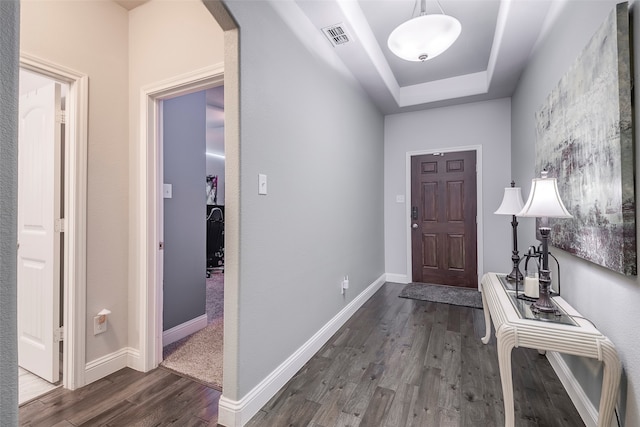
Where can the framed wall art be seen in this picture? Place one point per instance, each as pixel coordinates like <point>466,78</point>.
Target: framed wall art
<point>584,138</point>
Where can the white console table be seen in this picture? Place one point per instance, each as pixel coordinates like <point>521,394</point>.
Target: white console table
<point>516,326</point>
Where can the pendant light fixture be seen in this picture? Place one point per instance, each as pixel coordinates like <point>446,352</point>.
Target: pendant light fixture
<point>424,37</point>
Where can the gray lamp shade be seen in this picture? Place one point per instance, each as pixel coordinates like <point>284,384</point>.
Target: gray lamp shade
<point>511,202</point>
<point>544,200</point>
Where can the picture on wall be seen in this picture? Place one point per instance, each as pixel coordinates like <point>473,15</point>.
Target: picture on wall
<point>584,138</point>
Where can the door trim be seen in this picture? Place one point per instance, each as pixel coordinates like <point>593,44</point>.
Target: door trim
<point>149,220</point>
<point>479,243</point>
<point>75,200</point>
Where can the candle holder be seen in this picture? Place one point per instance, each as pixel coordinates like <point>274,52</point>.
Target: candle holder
<point>535,254</point>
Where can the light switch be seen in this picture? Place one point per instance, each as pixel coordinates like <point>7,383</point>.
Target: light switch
<point>167,191</point>
<point>262,184</point>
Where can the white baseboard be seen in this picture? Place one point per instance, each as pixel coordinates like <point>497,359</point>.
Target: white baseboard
<point>587,411</point>
<point>106,365</point>
<point>397,278</point>
<point>236,413</point>
<point>184,330</point>
<point>134,361</point>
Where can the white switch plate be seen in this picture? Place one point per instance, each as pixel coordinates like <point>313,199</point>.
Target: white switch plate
<point>400,198</point>
<point>262,183</point>
<point>167,191</point>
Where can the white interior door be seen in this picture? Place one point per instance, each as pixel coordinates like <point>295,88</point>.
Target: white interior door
<point>38,241</point>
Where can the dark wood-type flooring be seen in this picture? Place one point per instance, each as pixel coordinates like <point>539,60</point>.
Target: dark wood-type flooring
<point>396,363</point>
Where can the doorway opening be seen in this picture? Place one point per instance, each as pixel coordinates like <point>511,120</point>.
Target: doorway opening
<point>444,230</point>
<point>192,146</point>
<point>151,204</point>
<point>51,226</point>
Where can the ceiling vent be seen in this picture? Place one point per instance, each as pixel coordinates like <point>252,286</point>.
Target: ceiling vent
<point>336,34</point>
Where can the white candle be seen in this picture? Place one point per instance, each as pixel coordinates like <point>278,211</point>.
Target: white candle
<point>531,287</point>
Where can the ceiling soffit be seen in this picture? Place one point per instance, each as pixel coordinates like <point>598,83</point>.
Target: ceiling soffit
<point>485,62</point>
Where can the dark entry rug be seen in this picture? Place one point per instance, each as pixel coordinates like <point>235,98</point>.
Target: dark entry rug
<point>453,295</point>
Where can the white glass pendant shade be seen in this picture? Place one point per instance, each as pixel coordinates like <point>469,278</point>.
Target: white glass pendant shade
<point>511,202</point>
<point>544,200</point>
<point>424,37</point>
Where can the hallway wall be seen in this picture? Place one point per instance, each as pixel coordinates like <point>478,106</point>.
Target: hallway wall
<point>319,139</point>
<point>480,123</point>
<point>608,299</point>
<point>92,38</point>
<point>185,230</point>
<point>166,39</point>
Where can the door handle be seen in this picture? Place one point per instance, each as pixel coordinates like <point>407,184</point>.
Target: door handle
<point>414,226</point>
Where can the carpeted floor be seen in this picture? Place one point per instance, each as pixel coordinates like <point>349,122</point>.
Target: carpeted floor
<point>199,356</point>
<point>445,294</point>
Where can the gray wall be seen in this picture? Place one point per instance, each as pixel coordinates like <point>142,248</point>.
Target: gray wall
<point>319,140</point>
<point>185,213</point>
<point>483,123</point>
<point>9,25</point>
<point>609,299</point>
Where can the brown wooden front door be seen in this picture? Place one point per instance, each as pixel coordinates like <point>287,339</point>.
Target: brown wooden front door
<point>443,219</point>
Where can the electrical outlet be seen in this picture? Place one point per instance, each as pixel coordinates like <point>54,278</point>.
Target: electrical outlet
<point>98,327</point>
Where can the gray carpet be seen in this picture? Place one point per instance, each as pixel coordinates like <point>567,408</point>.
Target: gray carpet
<point>453,295</point>
<point>199,356</point>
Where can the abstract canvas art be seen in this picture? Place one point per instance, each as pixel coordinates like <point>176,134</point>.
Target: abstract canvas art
<point>584,138</point>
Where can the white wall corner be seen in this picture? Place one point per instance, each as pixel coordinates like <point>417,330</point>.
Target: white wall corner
<point>397,278</point>
<point>184,330</point>
<point>108,364</point>
<point>236,413</point>
<point>585,408</point>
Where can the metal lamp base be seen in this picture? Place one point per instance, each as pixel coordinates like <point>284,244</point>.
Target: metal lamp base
<point>515,275</point>
<point>543,303</point>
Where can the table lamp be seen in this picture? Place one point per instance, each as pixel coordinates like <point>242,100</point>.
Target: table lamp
<point>544,202</point>
<point>512,205</point>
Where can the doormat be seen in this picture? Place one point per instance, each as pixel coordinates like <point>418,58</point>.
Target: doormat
<point>453,295</point>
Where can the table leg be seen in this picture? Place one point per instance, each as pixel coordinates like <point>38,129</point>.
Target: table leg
<point>506,342</point>
<point>487,319</point>
<point>610,384</point>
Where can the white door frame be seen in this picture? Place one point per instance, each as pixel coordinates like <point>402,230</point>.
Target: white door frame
<point>150,203</point>
<point>479,252</point>
<point>75,208</point>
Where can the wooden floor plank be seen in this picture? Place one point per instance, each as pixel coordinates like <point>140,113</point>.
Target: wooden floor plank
<point>96,404</point>
<point>378,408</point>
<point>364,391</point>
<point>426,404</point>
<point>335,378</point>
<point>167,407</point>
<point>109,414</point>
<point>400,409</point>
<point>450,393</point>
<point>295,411</point>
<point>332,405</point>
